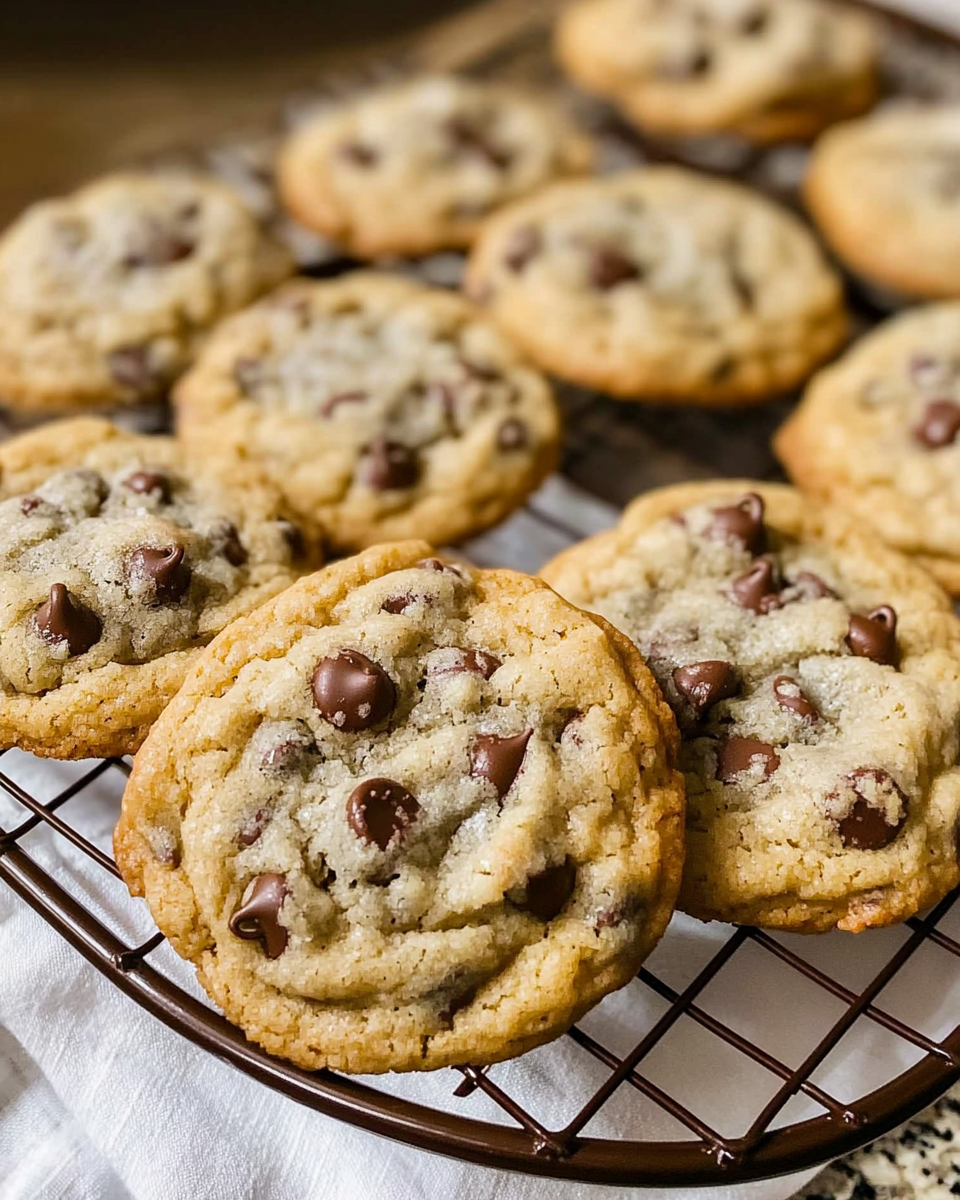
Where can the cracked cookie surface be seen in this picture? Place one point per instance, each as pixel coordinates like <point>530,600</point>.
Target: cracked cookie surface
<point>661,284</point>
<point>766,70</point>
<point>410,813</point>
<point>119,559</point>
<point>877,434</point>
<point>105,294</point>
<point>417,167</point>
<point>381,408</point>
<point>816,679</point>
<point>885,193</point>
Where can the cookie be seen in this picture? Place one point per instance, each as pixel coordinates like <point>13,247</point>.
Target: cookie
<point>764,70</point>
<point>106,294</point>
<point>661,284</point>
<point>120,558</point>
<point>815,674</point>
<point>409,814</point>
<point>417,167</point>
<point>877,434</point>
<point>381,408</point>
<point>885,193</point>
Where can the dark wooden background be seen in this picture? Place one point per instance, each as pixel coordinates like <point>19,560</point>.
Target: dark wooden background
<point>86,85</point>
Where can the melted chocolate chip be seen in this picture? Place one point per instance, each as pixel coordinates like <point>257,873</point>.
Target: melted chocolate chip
<point>160,248</point>
<point>258,917</point>
<point>473,662</point>
<point>469,137</point>
<point>252,829</point>
<point>866,827</point>
<point>332,403</point>
<point>757,589</point>
<point>352,692</point>
<point>131,368</point>
<point>548,892</point>
<point>283,746</point>
<point>499,759</point>
<point>358,154</point>
<point>741,522</point>
<point>939,424</point>
<point>30,504</point>
<point>145,483</point>
<point>790,697</point>
<point>608,268</point>
<point>436,564</point>
<point>380,811</point>
<point>524,244</point>
<point>512,435</point>
<point>739,754</point>
<point>388,466</point>
<point>397,605</point>
<point>875,636</point>
<point>61,620</point>
<point>225,540</point>
<point>703,684</point>
<point>164,569</point>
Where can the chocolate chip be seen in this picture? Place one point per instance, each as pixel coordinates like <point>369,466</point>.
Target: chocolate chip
<point>470,137</point>
<point>390,465</point>
<point>30,504</point>
<point>436,564</point>
<point>473,662</point>
<point>399,604</point>
<point>294,539</point>
<point>523,244</point>
<point>741,522</point>
<point>875,636</point>
<point>252,829</point>
<point>258,917</point>
<point>790,697</point>
<point>131,368</point>
<point>753,22</point>
<point>739,754</point>
<point>159,248</point>
<point>512,435</point>
<point>703,684</point>
<point>164,569</point>
<point>352,692</point>
<point>332,403</point>
<point>609,267</point>
<point>688,66</point>
<point>939,424</point>
<point>757,589</point>
<point>359,154</point>
<point>866,825</point>
<point>281,746</point>
<point>146,483</point>
<point>61,620</point>
<point>225,540</point>
<point>499,759</point>
<point>380,811</point>
<point>548,892</point>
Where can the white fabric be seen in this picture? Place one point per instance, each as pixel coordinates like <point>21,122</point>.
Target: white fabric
<point>99,1101</point>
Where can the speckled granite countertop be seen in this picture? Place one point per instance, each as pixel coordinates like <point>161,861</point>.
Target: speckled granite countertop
<point>922,1159</point>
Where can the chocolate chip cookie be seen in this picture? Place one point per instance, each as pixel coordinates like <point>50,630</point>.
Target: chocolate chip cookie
<point>885,192</point>
<point>408,814</point>
<point>765,70</point>
<point>106,294</point>
<point>417,167</point>
<point>661,284</point>
<point>877,434</point>
<point>380,407</point>
<point>119,559</point>
<point>815,675</point>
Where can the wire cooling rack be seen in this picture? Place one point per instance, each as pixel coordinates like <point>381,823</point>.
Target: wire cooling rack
<point>799,1108</point>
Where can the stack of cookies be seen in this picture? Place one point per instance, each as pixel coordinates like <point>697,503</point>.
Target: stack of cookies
<point>402,812</point>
